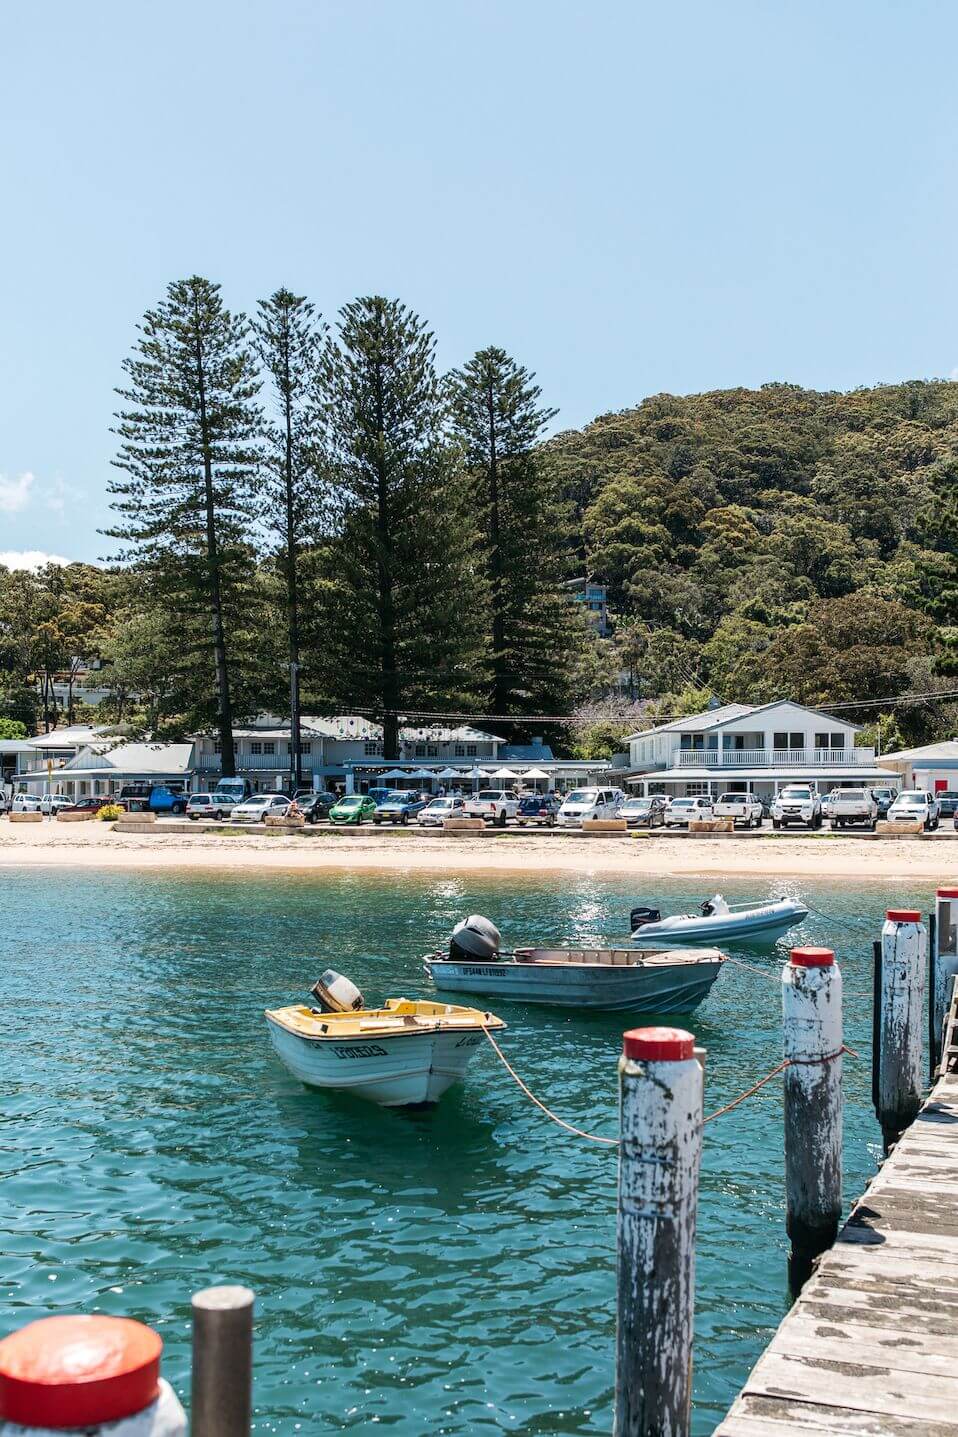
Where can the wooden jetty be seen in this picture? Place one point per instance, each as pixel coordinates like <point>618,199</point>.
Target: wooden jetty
<point>871,1346</point>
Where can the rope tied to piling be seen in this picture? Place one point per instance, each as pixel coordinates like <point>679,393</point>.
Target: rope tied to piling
<point>614,1142</point>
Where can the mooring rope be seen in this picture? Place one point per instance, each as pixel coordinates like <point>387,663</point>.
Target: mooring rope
<point>614,1142</point>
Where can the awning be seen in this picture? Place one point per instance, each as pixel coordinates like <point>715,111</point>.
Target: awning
<point>504,773</point>
<point>449,773</point>
<point>395,773</point>
<point>535,773</point>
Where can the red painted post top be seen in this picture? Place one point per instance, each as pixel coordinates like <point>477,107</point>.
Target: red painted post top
<point>658,1045</point>
<point>78,1371</point>
<point>812,957</point>
<point>948,893</point>
<point>903,915</point>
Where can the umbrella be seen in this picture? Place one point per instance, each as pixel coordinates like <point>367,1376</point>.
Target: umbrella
<point>423,773</point>
<point>450,773</point>
<point>535,773</point>
<point>476,773</point>
<point>395,773</point>
<point>504,773</point>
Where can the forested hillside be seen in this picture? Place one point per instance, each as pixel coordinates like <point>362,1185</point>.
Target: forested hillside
<point>778,541</point>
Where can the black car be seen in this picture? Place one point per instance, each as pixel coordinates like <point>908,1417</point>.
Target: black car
<point>316,806</point>
<point>538,808</point>
<point>948,803</point>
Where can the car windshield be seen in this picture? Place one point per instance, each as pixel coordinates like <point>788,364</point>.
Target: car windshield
<point>796,793</point>
<point>583,795</point>
<point>733,798</point>
<point>683,803</point>
<point>258,801</point>
<point>441,803</point>
<point>856,794</point>
<point>201,798</point>
<point>351,802</point>
<point>916,800</point>
<point>637,803</point>
<point>488,795</point>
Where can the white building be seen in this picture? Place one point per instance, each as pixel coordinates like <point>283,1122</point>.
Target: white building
<point>756,748</point>
<point>933,767</point>
<point>106,766</point>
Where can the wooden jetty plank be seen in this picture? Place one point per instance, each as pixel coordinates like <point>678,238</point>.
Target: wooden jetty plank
<point>870,1388</point>
<point>885,1348</point>
<point>776,1417</point>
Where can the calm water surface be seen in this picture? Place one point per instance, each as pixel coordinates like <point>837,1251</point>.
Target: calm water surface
<point>442,1271</point>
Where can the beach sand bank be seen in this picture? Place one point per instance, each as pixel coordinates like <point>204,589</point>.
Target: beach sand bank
<point>95,845</point>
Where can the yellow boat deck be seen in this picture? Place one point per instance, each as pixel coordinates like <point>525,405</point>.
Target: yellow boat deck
<point>400,1015</point>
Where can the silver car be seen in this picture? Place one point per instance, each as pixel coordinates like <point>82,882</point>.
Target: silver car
<point>210,805</point>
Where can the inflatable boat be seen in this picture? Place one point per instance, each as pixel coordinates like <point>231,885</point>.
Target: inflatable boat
<point>719,921</point>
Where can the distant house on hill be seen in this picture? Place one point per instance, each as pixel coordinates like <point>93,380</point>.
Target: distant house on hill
<point>754,748</point>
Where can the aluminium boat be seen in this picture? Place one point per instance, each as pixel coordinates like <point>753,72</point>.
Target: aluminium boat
<point>611,979</point>
<point>407,1052</point>
<point>719,922</point>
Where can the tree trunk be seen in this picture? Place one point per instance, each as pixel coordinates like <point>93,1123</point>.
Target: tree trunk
<point>292,593</point>
<point>224,712</point>
<point>500,685</point>
<point>389,686</point>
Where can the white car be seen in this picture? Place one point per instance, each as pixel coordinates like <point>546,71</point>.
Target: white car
<point>260,807</point>
<point>210,805</point>
<point>743,808</point>
<point>682,810</point>
<point>25,803</point>
<point>53,802</point>
<point>914,804</point>
<point>495,805</point>
<point>439,810</point>
<point>845,807</point>
<point>585,803</point>
<point>797,803</point>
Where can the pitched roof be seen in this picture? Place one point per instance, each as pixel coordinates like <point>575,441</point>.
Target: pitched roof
<point>166,758</point>
<point>714,718</point>
<point>946,749</point>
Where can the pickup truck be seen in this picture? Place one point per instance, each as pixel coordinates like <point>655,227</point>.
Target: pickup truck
<point>495,805</point>
<point>797,803</point>
<point>743,808</point>
<point>155,796</point>
<point>847,806</point>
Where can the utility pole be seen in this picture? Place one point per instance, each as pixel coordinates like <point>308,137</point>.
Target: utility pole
<point>295,746</point>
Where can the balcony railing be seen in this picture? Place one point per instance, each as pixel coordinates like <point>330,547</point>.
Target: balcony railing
<point>773,757</point>
<point>254,762</point>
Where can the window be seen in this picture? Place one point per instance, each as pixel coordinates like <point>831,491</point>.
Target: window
<point>372,749</point>
<point>420,750</point>
<point>256,746</point>
<point>696,790</point>
<point>460,750</point>
<point>432,751</point>
<point>306,748</point>
<point>471,750</point>
<point>789,740</point>
<point>269,747</point>
<point>217,746</point>
<point>838,740</point>
<point>821,740</point>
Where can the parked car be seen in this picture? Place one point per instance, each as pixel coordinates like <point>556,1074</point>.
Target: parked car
<point>316,806</point>
<point>154,797</point>
<point>53,802</point>
<point>845,807</point>
<point>948,803</point>
<point>379,795</point>
<point>884,797</point>
<point>495,805</point>
<point>538,808</point>
<point>914,804</point>
<point>354,808</point>
<point>797,803</point>
<point>25,803</point>
<point>93,804</point>
<point>436,812</point>
<point>682,810</point>
<point>585,803</point>
<point>210,805</point>
<point>260,807</point>
<point>743,808</point>
<point>400,806</point>
<point>643,812</point>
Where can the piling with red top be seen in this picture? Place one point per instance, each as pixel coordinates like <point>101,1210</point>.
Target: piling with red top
<point>901,1027</point>
<point>87,1372</point>
<point>945,961</point>
<point>660,1100</point>
<point>812,1040</point>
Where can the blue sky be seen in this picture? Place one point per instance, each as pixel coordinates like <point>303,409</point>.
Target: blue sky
<point>629,197</point>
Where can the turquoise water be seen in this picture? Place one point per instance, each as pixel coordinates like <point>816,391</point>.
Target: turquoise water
<point>448,1270</point>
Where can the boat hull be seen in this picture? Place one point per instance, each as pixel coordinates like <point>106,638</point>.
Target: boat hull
<point>393,1070</point>
<point>637,988</point>
<point>767,922</point>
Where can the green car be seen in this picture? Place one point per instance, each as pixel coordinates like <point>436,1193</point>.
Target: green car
<point>352,809</point>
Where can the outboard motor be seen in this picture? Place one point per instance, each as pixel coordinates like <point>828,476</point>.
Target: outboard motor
<point>475,940</point>
<point>336,994</point>
<point>715,905</point>
<point>640,916</point>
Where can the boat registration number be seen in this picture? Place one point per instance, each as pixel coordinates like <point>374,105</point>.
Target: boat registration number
<point>366,1050</point>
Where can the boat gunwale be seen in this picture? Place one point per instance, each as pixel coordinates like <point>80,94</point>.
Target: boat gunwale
<point>483,1021</point>
<point>637,959</point>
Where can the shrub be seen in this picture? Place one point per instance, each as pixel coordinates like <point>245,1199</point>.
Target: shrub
<point>109,811</point>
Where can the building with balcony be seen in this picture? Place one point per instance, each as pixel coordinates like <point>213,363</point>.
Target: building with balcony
<point>594,599</point>
<point>753,748</point>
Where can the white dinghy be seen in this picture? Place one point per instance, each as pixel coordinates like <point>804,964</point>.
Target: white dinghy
<point>719,922</point>
<point>407,1052</point>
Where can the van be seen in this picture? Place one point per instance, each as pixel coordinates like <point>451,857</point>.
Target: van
<point>585,803</point>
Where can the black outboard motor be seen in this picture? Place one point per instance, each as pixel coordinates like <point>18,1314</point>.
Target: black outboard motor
<point>640,916</point>
<point>475,940</point>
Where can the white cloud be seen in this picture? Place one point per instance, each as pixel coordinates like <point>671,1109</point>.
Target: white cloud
<point>954,373</point>
<point>15,493</point>
<point>29,559</point>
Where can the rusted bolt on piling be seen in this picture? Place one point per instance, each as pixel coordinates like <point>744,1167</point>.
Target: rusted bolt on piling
<point>812,1040</point>
<point>660,1104</point>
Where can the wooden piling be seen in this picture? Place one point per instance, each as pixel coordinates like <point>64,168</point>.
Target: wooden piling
<point>660,1088</point>
<point>901,1044</point>
<point>812,1032</point>
<point>222,1362</point>
<point>944,948</point>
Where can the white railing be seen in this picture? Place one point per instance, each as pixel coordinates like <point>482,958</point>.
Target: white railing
<point>785,757</point>
<point>250,762</point>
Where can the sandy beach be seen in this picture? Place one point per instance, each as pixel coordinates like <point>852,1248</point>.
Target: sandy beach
<point>821,855</point>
